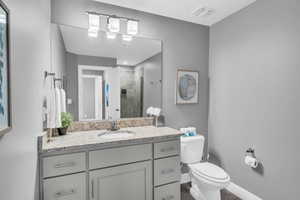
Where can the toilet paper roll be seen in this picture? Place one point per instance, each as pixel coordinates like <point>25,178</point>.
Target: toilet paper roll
<point>251,161</point>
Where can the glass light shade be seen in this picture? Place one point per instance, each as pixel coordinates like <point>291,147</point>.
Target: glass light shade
<point>94,21</point>
<point>127,38</point>
<point>114,24</point>
<point>111,35</point>
<point>132,27</point>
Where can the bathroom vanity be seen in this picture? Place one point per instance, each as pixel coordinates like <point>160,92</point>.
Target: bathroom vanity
<point>88,166</point>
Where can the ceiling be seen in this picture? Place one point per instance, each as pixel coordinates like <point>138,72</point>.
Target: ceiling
<point>183,9</point>
<point>131,53</point>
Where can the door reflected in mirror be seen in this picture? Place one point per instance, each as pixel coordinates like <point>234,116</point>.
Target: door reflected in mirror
<point>107,78</point>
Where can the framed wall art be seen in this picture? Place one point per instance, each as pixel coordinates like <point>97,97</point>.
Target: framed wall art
<point>187,86</point>
<point>5,111</point>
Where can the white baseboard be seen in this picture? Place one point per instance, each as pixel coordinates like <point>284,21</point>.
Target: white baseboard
<point>241,192</point>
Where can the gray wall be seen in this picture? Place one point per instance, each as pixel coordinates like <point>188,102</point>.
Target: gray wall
<point>152,81</point>
<point>184,45</point>
<point>73,61</point>
<point>58,52</point>
<point>30,56</point>
<point>255,96</point>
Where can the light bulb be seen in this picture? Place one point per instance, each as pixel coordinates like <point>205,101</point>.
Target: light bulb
<point>127,38</point>
<point>93,33</point>
<point>111,35</point>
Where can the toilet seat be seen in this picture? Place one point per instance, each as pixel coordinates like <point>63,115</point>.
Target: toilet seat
<point>210,172</point>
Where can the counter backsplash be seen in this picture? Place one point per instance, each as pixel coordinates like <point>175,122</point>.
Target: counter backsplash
<point>100,125</point>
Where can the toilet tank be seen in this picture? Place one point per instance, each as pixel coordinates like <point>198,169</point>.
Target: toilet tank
<point>192,149</point>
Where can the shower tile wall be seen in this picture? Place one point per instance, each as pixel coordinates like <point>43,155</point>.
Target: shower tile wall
<point>131,92</point>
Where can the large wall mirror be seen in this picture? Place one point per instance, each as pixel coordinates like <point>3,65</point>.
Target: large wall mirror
<point>106,77</point>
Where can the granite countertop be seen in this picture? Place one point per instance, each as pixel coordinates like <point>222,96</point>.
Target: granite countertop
<point>85,139</point>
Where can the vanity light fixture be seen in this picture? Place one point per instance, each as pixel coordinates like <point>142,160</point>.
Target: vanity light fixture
<point>127,38</point>
<point>110,35</point>
<point>132,27</point>
<point>113,24</point>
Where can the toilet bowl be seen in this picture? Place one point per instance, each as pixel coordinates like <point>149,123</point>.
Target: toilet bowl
<point>207,178</point>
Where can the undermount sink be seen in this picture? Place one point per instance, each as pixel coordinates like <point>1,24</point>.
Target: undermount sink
<point>116,134</point>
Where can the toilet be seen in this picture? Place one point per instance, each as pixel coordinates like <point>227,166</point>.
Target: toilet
<point>207,179</point>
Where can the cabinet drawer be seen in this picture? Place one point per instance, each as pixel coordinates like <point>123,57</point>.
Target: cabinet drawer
<point>117,156</point>
<point>64,164</point>
<point>70,187</point>
<point>165,149</point>
<point>167,192</point>
<point>166,170</point>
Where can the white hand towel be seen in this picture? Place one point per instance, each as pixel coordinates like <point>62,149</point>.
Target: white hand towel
<point>57,108</point>
<point>156,112</point>
<point>150,111</point>
<point>51,109</point>
<point>63,100</point>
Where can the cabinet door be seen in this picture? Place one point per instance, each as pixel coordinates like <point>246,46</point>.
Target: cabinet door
<point>127,182</point>
<point>71,187</point>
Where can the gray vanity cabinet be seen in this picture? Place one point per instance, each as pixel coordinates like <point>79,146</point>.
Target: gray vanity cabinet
<point>142,171</point>
<point>127,182</point>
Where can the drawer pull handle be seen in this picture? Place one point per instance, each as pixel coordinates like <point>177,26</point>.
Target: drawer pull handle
<point>167,171</point>
<point>65,193</point>
<point>167,149</point>
<point>168,197</point>
<point>66,164</point>
<point>92,190</point>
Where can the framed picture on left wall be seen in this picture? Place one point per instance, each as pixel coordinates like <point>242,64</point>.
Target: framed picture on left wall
<point>5,106</point>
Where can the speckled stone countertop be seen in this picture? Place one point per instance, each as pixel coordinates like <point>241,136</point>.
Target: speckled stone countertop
<point>90,139</point>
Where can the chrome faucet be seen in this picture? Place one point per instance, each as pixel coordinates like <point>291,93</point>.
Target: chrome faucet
<point>114,126</point>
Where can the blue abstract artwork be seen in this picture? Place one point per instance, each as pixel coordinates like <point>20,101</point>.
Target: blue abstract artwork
<point>4,99</point>
<point>187,86</point>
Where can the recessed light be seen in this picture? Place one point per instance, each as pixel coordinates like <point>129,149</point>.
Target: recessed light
<point>202,12</point>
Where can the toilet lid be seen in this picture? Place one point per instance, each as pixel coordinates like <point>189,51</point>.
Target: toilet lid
<point>210,171</point>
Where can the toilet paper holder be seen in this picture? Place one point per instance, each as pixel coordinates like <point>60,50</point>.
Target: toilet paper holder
<point>250,158</point>
<point>250,152</point>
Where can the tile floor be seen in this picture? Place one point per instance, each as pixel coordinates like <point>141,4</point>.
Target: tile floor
<point>225,195</point>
